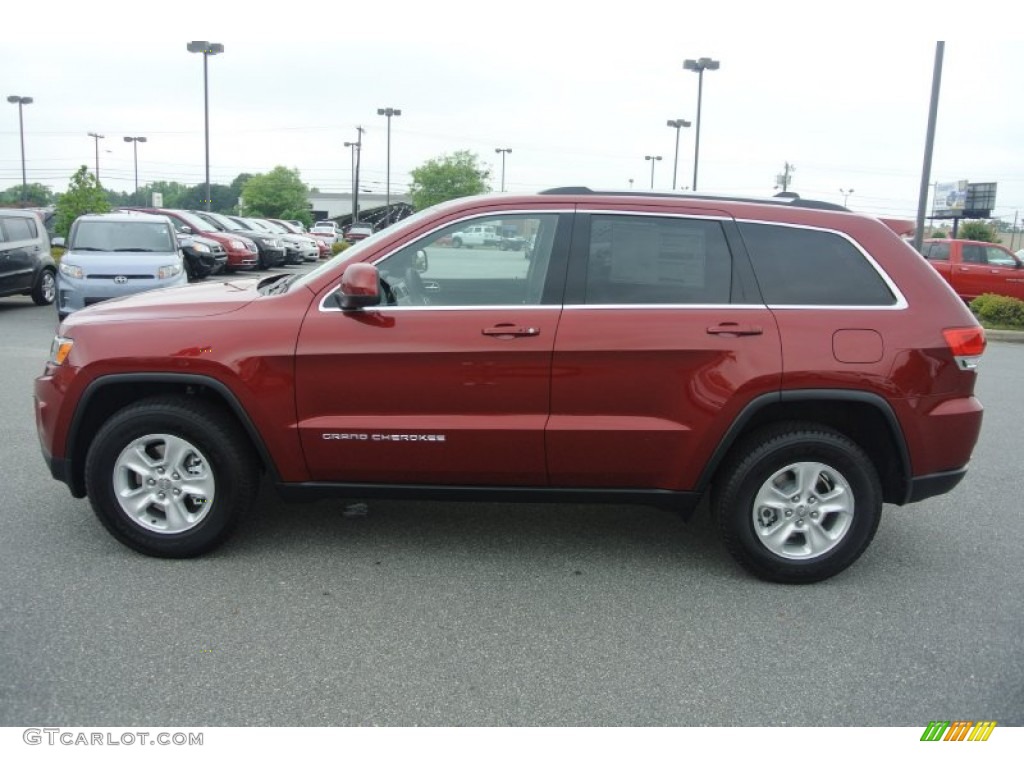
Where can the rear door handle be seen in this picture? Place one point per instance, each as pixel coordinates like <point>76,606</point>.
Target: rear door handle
<point>509,330</point>
<point>735,329</point>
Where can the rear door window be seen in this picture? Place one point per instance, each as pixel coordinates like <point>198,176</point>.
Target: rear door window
<point>19,228</point>
<point>657,260</point>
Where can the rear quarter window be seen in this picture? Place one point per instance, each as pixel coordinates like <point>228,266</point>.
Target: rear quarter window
<point>19,228</point>
<point>797,266</point>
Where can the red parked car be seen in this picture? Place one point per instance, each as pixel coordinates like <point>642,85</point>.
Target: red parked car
<point>242,251</point>
<point>797,363</point>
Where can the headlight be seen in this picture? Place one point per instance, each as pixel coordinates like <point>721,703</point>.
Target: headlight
<point>169,271</point>
<point>238,245</point>
<point>200,248</point>
<point>60,349</point>
<point>70,270</point>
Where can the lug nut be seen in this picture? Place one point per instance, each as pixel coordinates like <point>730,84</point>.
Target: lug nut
<point>812,500</point>
<point>814,514</point>
<point>161,495</point>
<point>151,481</point>
<point>796,499</point>
<point>175,476</point>
<point>789,513</point>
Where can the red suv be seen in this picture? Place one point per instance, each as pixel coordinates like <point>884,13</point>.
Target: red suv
<point>798,363</point>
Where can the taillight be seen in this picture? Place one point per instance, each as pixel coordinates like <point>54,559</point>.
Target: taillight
<point>966,344</point>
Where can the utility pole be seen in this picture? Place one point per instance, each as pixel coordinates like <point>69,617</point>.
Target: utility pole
<point>357,147</point>
<point>783,179</point>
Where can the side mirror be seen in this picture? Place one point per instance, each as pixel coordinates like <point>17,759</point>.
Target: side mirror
<point>58,242</point>
<point>186,229</point>
<point>360,287</point>
<point>422,263</point>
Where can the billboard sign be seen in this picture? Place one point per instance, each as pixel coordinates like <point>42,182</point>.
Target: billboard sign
<point>950,199</point>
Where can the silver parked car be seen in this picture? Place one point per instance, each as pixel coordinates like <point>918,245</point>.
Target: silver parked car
<point>115,254</point>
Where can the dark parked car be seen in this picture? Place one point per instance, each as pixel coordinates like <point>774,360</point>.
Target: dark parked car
<point>271,249</point>
<point>26,266</point>
<point>204,256</point>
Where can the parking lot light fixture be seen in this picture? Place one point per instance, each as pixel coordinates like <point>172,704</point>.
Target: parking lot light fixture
<point>134,140</point>
<point>503,152</point>
<point>653,159</point>
<point>21,101</point>
<point>698,66</point>
<point>677,124</point>
<point>388,112</point>
<point>846,195</point>
<point>208,50</point>
<point>97,137</point>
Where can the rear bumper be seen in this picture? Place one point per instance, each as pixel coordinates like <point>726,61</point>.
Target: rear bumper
<point>926,486</point>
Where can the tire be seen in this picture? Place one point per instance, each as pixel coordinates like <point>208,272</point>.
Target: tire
<point>181,513</point>
<point>457,242</point>
<point>45,289</point>
<point>813,486</point>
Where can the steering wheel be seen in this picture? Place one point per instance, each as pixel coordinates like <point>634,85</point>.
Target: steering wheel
<point>414,285</point>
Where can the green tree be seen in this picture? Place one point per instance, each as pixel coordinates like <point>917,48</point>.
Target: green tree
<point>238,183</point>
<point>84,195</point>
<point>37,195</point>
<point>222,199</point>
<point>447,177</point>
<point>173,193</point>
<point>279,194</point>
<point>978,230</point>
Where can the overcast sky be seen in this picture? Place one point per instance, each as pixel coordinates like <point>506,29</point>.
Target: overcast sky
<point>580,92</point>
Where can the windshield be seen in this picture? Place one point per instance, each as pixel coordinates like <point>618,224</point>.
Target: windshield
<point>140,236</point>
<point>277,229</point>
<point>258,225</point>
<point>197,223</point>
<point>220,222</point>
<point>242,224</point>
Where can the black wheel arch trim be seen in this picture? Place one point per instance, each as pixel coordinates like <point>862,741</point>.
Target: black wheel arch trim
<point>74,478</point>
<point>760,402</point>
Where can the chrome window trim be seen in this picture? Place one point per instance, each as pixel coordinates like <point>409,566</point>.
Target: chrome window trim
<point>900,303</point>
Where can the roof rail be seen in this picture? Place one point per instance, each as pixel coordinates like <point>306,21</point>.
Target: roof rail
<point>792,200</point>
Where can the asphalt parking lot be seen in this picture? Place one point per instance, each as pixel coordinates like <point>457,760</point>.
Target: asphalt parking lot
<point>490,614</point>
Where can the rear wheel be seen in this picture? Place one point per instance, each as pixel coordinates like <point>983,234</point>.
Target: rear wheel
<point>170,476</point>
<point>798,503</point>
<point>457,242</point>
<point>45,289</point>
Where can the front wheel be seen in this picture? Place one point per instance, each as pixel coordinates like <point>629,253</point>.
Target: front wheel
<point>798,503</point>
<point>170,476</point>
<point>457,242</point>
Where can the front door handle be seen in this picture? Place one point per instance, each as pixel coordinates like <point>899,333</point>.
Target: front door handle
<point>510,330</point>
<point>735,329</point>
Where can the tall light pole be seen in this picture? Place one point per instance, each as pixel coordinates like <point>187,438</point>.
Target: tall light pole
<point>208,50</point>
<point>97,137</point>
<point>503,152</point>
<point>357,148</point>
<point>21,101</point>
<point>134,141</point>
<point>653,159</point>
<point>846,195</point>
<point>677,124</point>
<point>388,112</point>
<point>698,66</point>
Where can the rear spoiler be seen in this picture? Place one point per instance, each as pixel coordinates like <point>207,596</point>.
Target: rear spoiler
<point>902,227</point>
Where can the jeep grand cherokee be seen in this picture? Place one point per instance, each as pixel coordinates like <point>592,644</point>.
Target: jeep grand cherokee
<point>797,362</point>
